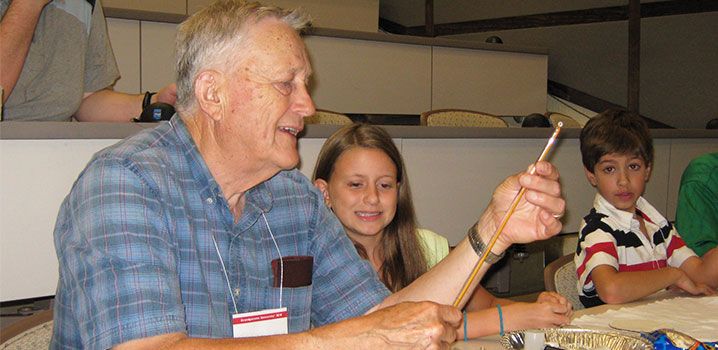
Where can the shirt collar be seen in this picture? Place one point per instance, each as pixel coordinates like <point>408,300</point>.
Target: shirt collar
<point>258,199</point>
<point>624,219</point>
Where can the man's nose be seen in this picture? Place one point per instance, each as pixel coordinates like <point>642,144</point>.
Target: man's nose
<point>303,104</point>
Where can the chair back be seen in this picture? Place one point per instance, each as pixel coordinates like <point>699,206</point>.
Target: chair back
<point>560,276</point>
<point>32,332</point>
<point>461,118</point>
<point>323,116</point>
<point>567,121</point>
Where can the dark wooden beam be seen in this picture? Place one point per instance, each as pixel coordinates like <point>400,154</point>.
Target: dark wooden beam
<point>429,17</point>
<point>592,102</point>
<point>634,55</point>
<point>594,15</point>
<point>391,27</point>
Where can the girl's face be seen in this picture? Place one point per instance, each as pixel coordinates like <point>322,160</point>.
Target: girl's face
<point>363,192</point>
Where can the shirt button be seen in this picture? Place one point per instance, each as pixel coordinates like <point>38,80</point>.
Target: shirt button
<point>209,200</point>
<point>236,292</point>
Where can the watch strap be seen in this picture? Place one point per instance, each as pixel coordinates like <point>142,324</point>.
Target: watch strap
<point>480,247</point>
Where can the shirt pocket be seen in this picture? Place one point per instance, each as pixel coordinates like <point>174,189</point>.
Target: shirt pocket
<point>298,302</point>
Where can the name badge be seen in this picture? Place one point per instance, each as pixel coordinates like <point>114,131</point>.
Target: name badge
<point>260,323</point>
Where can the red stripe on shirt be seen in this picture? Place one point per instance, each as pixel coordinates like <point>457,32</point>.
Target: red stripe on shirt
<point>644,266</point>
<point>603,247</point>
<point>676,243</point>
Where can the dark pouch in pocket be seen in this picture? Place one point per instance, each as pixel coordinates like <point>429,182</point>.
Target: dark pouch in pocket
<point>297,271</point>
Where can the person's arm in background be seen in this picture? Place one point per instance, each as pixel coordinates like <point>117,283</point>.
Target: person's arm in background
<point>112,106</point>
<point>703,270</point>
<point>16,30</point>
<point>533,220</point>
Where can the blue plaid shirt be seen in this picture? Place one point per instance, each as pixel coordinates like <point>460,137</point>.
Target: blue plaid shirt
<point>134,243</point>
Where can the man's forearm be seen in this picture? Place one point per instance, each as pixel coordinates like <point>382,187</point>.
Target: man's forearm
<point>444,281</point>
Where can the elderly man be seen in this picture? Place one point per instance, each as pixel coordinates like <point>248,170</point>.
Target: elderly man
<point>178,234</point>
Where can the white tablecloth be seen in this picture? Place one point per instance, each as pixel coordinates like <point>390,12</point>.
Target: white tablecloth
<point>695,316</point>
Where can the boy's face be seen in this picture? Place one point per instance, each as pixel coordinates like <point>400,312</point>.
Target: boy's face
<point>620,179</point>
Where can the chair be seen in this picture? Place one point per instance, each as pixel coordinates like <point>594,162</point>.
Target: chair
<point>560,276</point>
<point>32,332</point>
<point>461,118</point>
<point>323,116</point>
<point>568,122</point>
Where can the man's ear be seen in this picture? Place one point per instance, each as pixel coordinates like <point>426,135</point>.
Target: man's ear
<point>323,187</point>
<point>208,92</point>
<point>590,176</point>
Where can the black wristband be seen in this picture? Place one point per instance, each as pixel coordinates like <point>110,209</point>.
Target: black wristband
<point>480,247</point>
<point>147,100</point>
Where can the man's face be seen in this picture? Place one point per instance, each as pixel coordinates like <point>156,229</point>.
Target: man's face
<point>620,179</point>
<point>268,97</point>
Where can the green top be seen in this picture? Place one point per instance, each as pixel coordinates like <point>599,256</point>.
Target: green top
<point>697,212</point>
<point>436,247</point>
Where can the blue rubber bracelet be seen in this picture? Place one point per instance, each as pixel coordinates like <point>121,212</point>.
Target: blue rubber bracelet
<point>501,321</point>
<point>466,336</point>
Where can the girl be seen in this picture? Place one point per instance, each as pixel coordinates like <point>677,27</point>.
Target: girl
<point>363,179</point>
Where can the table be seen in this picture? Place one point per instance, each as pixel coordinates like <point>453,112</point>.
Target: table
<point>493,342</point>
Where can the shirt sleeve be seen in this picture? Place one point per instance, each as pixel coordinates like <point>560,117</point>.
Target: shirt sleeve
<point>676,250</point>
<point>118,268</point>
<point>100,66</point>
<point>596,247</point>
<point>697,217</point>
<point>436,247</point>
<point>345,285</point>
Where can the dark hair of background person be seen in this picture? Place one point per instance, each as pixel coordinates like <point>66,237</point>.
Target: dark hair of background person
<point>404,260</point>
<point>615,131</point>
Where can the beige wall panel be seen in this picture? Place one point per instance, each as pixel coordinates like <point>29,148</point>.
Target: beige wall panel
<point>308,153</point>
<point>452,180</point>
<point>357,15</point>
<point>502,83</point>
<point>682,152</point>
<point>158,67</point>
<point>165,6</point>
<point>36,176</point>
<point>125,38</point>
<point>358,76</point>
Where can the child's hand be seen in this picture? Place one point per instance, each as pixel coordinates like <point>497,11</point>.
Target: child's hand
<point>536,315</point>
<point>553,297</point>
<point>686,284</point>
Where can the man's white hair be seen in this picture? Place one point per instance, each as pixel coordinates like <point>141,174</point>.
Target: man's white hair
<point>209,37</point>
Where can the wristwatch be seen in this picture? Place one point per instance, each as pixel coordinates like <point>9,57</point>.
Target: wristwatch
<point>480,247</point>
<point>147,100</point>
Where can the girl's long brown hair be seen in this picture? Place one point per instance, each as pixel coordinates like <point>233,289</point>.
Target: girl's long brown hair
<point>404,259</point>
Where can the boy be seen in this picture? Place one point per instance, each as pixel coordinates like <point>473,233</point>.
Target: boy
<point>626,249</point>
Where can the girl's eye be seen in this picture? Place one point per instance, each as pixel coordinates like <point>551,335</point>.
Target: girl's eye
<point>285,87</point>
<point>387,185</point>
<point>354,184</point>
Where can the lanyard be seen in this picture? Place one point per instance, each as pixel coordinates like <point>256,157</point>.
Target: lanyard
<point>281,266</point>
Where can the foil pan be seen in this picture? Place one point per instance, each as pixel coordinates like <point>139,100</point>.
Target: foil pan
<point>581,339</point>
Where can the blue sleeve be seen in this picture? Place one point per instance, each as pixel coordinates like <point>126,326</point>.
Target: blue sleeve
<point>345,285</point>
<point>118,274</point>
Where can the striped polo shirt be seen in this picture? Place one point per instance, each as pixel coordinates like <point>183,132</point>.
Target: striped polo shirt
<point>610,236</point>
